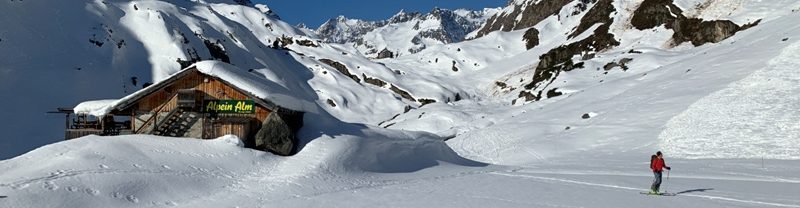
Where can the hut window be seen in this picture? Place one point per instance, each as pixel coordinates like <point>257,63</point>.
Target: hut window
<point>82,121</point>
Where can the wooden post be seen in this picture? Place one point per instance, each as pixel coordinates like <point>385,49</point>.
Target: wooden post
<point>155,120</point>
<point>133,120</point>
<point>66,121</point>
<point>102,122</point>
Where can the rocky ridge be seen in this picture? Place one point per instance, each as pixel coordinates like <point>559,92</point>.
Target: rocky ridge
<point>439,26</point>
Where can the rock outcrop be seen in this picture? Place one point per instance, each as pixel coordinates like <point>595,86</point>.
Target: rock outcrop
<point>524,15</point>
<point>654,13</point>
<point>559,59</point>
<point>341,68</point>
<point>531,38</point>
<point>385,53</point>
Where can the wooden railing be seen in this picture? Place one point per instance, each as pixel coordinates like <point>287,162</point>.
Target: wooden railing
<point>75,133</point>
<point>166,119</point>
<point>152,120</point>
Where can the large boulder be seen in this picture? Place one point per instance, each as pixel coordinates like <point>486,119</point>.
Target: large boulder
<point>654,13</point>
<point>531,38</point>
<point>385,53</point>
<point>278,133</point>
<point>700,32</point>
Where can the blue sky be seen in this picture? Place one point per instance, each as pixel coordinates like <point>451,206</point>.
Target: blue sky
<point>315,12</point>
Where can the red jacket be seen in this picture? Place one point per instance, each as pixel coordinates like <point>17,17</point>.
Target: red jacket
<point>658,165</point>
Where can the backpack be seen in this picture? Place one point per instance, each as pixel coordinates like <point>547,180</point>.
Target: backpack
<point>652,158</point>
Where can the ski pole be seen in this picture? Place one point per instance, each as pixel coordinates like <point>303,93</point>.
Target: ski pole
<point>667,179</point>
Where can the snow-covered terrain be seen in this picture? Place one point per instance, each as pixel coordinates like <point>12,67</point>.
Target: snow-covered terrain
<point>723,113</point>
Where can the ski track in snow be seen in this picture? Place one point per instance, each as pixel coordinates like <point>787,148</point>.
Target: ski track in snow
<point>366,185</point>
<point>50,184</point>
<point>733,177</point>
<point>732,199</point>
<point>77,173</point>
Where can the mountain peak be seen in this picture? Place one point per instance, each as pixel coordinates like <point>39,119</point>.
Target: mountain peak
<point>266,10</point>
<point>400,13</point>
<point>341,18</point>
<point>302,26</point>
<point>403,16</point>
<point>438,26</point>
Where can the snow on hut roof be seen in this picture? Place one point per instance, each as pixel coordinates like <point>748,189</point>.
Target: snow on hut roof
<point>95,107</point>
<point>271,93</point>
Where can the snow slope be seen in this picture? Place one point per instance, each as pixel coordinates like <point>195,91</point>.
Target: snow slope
<point>753,117</point>
<point>137,171</point>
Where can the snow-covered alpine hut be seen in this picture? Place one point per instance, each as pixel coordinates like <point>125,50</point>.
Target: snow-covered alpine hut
<point>206,100</point>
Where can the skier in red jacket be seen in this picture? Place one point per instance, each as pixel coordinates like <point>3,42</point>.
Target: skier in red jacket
<point>657,165</point>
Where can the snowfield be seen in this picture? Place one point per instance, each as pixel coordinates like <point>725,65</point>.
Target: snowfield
<point>724,114</point>
<point>754,117</point>
<point>338,171</point>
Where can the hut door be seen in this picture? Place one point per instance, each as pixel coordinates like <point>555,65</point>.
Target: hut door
<point>222,128</point>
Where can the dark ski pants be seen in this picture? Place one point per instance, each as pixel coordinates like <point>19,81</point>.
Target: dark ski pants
<point>656,182</point>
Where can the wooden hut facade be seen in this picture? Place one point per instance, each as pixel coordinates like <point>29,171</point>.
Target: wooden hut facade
<point>197,105</point>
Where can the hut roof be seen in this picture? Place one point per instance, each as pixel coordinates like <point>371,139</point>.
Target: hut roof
<point>263,91</point>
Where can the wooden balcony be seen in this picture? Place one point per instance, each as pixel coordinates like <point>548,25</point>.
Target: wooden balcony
<point>76,133</point>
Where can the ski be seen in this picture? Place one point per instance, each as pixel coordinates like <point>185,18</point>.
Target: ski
<point>659,194</point>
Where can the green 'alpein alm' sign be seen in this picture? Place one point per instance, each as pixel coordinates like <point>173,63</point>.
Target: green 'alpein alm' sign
<point>229,106</point>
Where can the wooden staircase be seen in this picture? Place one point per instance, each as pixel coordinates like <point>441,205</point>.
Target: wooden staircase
<point>176,124</point>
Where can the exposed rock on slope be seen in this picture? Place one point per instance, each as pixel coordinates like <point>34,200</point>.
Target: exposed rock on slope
<point>385,53</point>
<point>653,13</point>
<point>599,14</point>
<point>531,38</point>
<point>552,63</point>
<point>341,68</point>
<point>520,15</point>
<point>244,2</point>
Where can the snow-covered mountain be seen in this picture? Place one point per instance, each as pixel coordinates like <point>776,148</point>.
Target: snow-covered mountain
<point>548,104</point>
<point>343,30</point>
<point>404,33</point>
